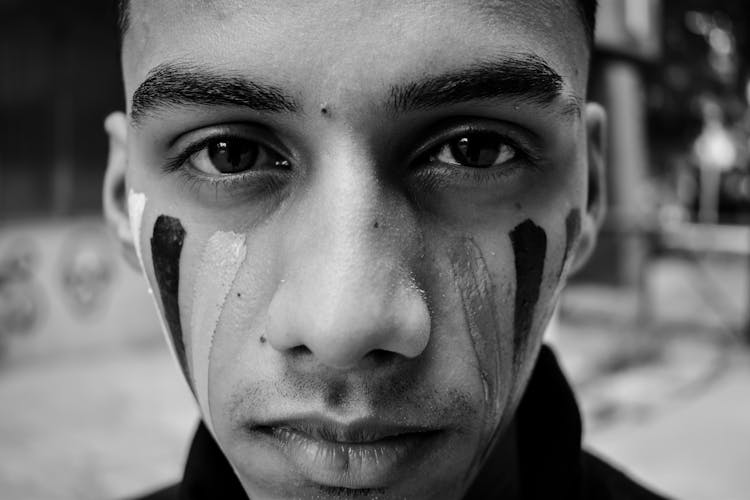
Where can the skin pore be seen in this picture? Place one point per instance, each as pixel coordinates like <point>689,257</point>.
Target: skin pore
<point>374,273</point>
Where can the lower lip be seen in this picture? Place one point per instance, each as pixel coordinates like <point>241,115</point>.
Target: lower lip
<point>374,464</point>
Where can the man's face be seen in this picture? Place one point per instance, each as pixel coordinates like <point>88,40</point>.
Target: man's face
<point>356,218</point>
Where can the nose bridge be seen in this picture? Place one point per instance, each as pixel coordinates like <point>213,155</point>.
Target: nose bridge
<point>342,250</point>
<point>347,287</point>
<point>336,225</point>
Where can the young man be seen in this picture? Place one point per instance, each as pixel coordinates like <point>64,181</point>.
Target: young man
<point>356,218</point>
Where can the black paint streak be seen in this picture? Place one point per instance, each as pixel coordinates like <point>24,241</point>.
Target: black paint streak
<point>572,232</point>
<point>166,247</point>
<point>530,248</point>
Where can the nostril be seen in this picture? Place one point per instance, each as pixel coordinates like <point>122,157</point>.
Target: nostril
<point>381,357</point>
<point>299,351</point>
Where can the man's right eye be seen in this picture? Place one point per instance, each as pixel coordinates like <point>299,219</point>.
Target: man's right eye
<point>231,155</point>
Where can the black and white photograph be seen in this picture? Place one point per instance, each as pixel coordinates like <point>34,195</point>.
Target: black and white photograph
<point>374,250</point>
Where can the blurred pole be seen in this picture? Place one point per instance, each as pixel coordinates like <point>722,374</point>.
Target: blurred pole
<point>628,162</point>
<point>628,37</point>
<point>747,313</point>
<point>708,208</point>
<point>716,153</point>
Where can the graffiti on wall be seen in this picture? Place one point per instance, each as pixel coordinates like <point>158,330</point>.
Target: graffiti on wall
<point>22,301</point>
<point>86,270</point>
<point>55,281</point>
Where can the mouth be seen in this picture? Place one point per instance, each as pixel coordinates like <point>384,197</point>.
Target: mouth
<point>364,454</point>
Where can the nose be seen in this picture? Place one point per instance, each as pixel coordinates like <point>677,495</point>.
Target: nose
<point>348,290</point>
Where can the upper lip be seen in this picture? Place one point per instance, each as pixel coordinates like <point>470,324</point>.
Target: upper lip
<point>359,431</point>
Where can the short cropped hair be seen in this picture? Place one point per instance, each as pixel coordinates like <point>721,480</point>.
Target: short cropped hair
<point>586,11</point>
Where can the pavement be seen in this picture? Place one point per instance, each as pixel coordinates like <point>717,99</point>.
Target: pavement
<point>662,377</point>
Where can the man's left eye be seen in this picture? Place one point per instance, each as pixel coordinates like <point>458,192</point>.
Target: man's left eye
<point>235,155</point>
<point>475,151</point>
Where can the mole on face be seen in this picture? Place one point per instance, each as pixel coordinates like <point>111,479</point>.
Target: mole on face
<point>530,248</point>
<point>166,247</point>
<point>572,232</point>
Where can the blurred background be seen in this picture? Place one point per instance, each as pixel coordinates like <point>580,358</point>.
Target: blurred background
<point>654,333</point>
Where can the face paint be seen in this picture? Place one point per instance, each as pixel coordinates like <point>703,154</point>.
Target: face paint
<point>221,260</point>
<point>166,247</point>
<point>572,232</point>
<point>136,206</point>
<point>530,248</point>
<point>478,299</point>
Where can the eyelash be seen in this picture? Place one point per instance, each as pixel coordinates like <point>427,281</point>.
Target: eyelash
<point>435,175</point>
<point>177,162</point>
<point>524,151</point>
<point>438,175</point>
<point>195,180</point>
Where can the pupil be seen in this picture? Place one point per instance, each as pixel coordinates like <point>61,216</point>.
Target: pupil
<point>230,156</point>
<point>476,151</point>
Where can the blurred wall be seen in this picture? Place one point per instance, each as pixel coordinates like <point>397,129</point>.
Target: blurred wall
<point>628,36</point>
<point>63,286</point>
<point>60,77</point>
<point>65,290</point>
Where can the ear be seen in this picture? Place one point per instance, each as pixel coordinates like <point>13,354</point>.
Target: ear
<point>596,197</point>
<point>114,195</point>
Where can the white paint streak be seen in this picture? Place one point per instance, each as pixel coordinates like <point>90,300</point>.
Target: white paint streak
<point>220,263</point>
<point>136,206</point>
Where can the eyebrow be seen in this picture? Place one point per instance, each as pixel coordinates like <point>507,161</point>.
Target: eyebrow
<point>178,84</point>
<point>525,77</point>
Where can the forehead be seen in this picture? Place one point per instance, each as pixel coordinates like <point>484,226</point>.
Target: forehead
<point>350,42</point>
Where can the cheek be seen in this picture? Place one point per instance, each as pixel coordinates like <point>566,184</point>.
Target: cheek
<point>166,242</point>
<point>192,284</point>
<point>166,251</point>
<point>217,271</point>
<point>238,352</point>
<point>529,243</point>
<point>479,308</point>
<point>468,282</point>
<point>504,297</point>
